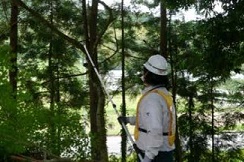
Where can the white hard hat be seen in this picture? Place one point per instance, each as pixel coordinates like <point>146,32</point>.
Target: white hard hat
<point>157,64</point>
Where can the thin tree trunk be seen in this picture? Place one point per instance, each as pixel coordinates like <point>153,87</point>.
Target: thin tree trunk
<point>59,110</point>
<point>52,100</point>
<point>13,71</point>
<point>12,115</point>
<point>212,112</point>
<point>190,106</point>
<point>52,126</point>
<point>123,106</point>
<point>178,150</point>
<point>163,29</point>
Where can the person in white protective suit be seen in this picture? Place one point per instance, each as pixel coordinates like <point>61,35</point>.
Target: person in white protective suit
<point>155,115</point>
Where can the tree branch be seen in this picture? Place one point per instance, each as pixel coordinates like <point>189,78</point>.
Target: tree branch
<point>72,41</point>
<point>110,20</point>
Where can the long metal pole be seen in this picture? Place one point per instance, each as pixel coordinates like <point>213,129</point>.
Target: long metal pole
<point>111,100</point>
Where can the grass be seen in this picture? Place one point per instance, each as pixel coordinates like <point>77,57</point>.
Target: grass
<point>113,126</point>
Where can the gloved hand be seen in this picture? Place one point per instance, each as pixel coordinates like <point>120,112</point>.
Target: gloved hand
<point>146,159</point>
<point>122,119</point>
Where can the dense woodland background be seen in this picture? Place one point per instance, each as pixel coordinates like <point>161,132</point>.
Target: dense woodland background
<point>47,83</point>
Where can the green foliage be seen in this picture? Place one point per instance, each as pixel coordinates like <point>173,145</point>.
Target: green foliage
<point>52,88</point>
<point>202,56</point>
<point>9,123</point>
<point>231,155</point>
<point>38,126</point>
<point>130,158</point>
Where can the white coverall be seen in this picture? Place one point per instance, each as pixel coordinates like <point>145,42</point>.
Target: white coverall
<point>153,117</point>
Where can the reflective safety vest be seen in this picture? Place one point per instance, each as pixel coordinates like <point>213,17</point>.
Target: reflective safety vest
<point>171,110</point>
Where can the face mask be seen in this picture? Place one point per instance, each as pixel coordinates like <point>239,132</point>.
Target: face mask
<point>143,77</point>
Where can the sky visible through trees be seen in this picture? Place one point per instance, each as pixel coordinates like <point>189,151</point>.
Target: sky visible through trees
<point>188,15</point>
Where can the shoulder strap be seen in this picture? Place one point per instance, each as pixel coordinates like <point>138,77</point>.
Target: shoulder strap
<point>168,98</point>
<point>172,124</point>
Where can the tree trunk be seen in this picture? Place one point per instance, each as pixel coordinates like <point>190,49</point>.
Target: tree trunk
<point>190,107</point>
<point>51,88</point>
<point>163,30</point>
<point>123,106</point>
<point>97,118</point>
<point>58,98</point>
<point>13,71</point>
<point>178,150</point>
<point>52,127</point>
<point>212,114</point>
<point>97,97</point>
<point>55,111</point>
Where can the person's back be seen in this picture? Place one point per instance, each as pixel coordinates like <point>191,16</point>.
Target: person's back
<point>155,116</point>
